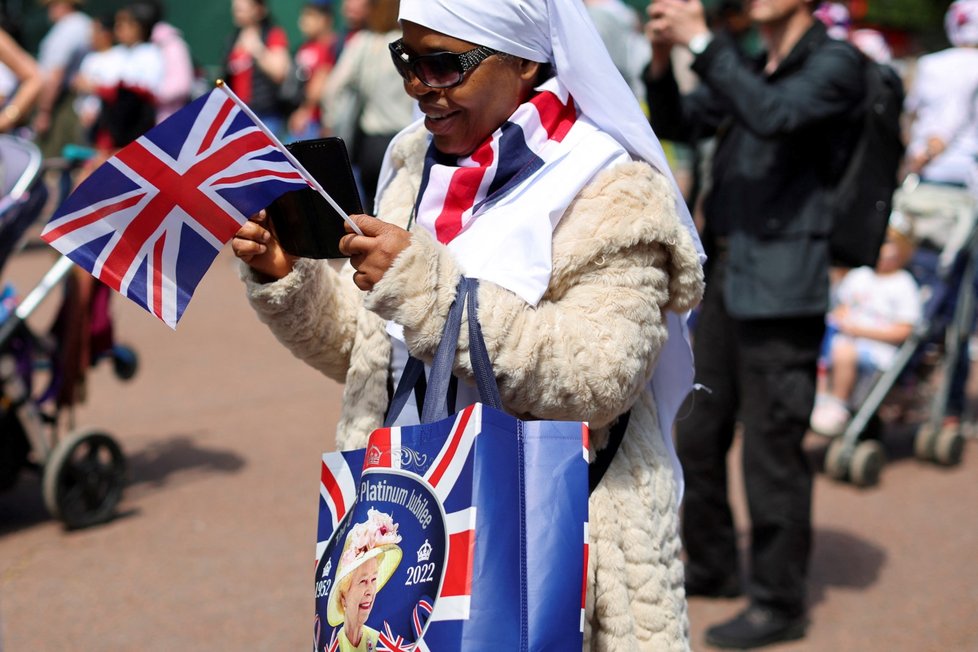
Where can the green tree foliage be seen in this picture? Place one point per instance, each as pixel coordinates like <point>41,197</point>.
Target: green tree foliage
<point>913,15</point>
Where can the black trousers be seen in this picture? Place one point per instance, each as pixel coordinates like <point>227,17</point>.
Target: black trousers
<point>761,372</point>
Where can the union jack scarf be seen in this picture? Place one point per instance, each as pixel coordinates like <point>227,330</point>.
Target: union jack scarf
<point>543,156</point>
<point>455,190</point>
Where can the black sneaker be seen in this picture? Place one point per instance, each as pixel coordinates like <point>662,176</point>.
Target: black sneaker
<point>756,626</point>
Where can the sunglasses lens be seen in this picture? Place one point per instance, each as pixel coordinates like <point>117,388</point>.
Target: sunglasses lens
<point>439,70</point>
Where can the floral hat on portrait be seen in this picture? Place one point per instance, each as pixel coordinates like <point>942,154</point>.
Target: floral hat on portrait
<point>375,538</point>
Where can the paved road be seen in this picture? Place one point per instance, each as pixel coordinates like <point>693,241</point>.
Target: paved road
<point>214,546</point>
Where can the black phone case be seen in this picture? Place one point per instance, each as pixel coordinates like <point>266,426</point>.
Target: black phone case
<point>304,222</point>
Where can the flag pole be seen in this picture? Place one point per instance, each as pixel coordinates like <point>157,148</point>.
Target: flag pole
<point>278,144</point>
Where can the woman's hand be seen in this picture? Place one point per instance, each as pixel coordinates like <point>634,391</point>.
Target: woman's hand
<point>372,253</point>
<point>255,244</point>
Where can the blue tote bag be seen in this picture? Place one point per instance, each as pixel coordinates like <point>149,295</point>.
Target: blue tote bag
<point>466,532</point>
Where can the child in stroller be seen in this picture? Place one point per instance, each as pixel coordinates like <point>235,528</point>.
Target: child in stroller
<point>83,473</point>
<point>876,310</point>
<point>918,387</point>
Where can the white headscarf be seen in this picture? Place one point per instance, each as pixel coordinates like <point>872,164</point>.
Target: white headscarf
<point>561,33</point>
<point>961,23</point>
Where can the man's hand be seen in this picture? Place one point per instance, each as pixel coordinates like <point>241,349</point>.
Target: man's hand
<point>661,48</point>
<point>675,21</point>
<point>372,253</point>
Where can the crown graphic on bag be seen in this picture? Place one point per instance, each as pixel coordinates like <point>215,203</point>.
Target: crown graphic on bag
<point>373,456</point>
<point>424,552</point>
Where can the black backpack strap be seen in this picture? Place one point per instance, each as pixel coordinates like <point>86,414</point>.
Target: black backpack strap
<point>602,460</point>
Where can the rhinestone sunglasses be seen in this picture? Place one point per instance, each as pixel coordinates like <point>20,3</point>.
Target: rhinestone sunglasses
<point>439,69</point>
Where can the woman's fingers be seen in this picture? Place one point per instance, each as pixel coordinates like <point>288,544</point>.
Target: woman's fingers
<point>372,253</point>
<point>256,246</point>
<point>363,281</point>
<point>353,244</point>
<point>246,249</point>
<point>253,231</point>
<point>250,241</point>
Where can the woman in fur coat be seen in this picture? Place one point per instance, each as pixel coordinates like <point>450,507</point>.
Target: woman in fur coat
<point>554,192</point>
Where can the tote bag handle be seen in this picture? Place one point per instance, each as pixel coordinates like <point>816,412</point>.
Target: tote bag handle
<point>436,397</point>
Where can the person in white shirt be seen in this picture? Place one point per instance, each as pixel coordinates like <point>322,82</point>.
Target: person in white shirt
<point>877,310</point>
<point>100,67</point>
<point>941,156</point>
<point>943,105</point>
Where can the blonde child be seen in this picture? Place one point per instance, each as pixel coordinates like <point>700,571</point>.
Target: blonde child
<point>876,311</point>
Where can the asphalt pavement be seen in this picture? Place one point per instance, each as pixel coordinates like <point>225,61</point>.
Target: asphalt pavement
<point>214,543</point>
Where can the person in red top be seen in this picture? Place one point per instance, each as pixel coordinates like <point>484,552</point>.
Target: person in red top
<point>313,61</point>
<point>127,83</point>
<point>257,61</point>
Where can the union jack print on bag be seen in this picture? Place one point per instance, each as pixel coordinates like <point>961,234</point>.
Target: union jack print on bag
<point>150,221</point>
<point>471,530</point>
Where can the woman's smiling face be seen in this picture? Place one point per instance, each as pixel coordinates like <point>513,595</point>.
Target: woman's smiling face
<point>463,117</point>
<point>358,600</point>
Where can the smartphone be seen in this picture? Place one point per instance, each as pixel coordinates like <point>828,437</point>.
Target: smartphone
<point>303,221</point>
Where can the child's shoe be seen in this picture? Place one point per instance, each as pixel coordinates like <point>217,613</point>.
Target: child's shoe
<point>830,416</point>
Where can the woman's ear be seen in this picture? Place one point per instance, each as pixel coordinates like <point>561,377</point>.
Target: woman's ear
<point>529,70</point>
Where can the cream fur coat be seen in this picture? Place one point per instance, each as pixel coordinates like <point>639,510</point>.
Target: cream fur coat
<point>586,352</point>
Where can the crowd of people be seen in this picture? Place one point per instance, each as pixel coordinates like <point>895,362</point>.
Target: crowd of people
<point>754,103</point>
<point>102,80</point>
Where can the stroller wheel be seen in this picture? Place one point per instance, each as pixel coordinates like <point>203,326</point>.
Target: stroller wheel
<point>923,443</point>
<point>83,478</point>
<point>836,460</point>
<point>125,362</point>
<point>866,463</point>
<point>949,446</point>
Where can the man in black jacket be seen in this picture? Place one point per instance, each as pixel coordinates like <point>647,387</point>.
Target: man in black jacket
<point>784,128</point>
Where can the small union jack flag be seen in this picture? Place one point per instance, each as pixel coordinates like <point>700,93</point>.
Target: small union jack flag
<point>388,641</point>
<point>150,221</point>
<point>334,641</point>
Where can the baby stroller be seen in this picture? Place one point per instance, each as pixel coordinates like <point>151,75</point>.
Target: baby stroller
<point>920,376</point>
<point>83,472</point>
